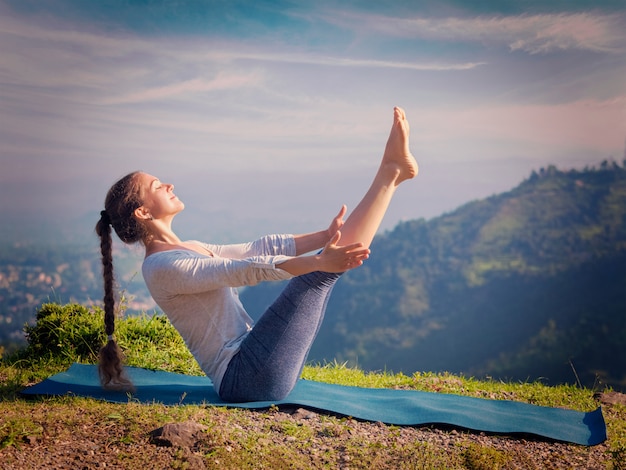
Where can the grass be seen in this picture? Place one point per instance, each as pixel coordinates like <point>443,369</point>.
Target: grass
<point>236,438</point>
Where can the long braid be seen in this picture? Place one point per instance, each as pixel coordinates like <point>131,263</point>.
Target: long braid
<point>106,250</point>
<point>111,358</point>
<point>122,199</point>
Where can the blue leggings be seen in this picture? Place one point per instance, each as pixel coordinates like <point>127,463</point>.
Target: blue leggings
<point>271,357</point>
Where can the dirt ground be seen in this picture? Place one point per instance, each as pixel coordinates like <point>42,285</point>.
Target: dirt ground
<point>330,442</point>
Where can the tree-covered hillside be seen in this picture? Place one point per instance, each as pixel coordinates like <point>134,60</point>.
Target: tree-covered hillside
<point>523,285</point>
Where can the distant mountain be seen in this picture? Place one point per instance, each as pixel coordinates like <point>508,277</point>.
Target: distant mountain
<point>529,284</point>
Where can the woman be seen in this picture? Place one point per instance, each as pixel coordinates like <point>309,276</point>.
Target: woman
<point>194,283</point>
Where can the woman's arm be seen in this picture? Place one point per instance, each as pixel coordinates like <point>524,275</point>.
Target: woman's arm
<point>269,245</point>
<point>305,243</point>
<point>178,272</point>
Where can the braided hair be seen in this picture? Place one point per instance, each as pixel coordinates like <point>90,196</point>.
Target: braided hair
<point>121,201</point>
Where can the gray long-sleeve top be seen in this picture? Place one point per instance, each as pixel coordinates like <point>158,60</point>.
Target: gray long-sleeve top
<point>198,293</point>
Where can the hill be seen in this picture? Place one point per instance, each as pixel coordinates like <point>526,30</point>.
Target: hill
<point>524,285</point>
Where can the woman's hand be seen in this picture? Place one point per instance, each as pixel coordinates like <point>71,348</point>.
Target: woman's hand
<point>337,259</point>
<point>336,223</point>
<point>332,259</point>
<point>309,242</point>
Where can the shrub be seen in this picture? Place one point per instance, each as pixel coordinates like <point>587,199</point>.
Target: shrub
<point>70,333</point>
<point>65,332</point>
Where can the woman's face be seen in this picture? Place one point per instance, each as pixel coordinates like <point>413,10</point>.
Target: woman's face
<point>159,199</point>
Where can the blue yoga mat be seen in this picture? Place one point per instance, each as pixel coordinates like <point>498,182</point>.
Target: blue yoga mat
<point>399,407</point>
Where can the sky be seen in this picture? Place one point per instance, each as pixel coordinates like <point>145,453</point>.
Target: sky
<point>268,115</point>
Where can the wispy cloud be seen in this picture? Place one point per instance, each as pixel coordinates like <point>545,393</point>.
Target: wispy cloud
<point>313,59</point>
<point>100,67</point>
<point>197,85</point>
<point>529,33</point>
<point>546,33</point>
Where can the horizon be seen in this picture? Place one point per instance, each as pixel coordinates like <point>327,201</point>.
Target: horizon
<point>28,229</point>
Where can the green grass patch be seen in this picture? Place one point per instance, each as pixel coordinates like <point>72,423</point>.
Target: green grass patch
<point>64,334</point>
<point>536,393</point>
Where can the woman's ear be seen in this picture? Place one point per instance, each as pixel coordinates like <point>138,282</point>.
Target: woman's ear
<point>142,213</point>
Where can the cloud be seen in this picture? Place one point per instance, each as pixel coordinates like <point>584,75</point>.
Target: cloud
<point>529,33</point>
<point>101,67</point>
<point>223,81</point>
<point>338,61</point>
<point>547,33</point>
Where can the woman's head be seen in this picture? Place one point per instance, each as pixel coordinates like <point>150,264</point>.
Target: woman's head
<point>158,201</point>
<point>124,197</point>
<point>134,202</point>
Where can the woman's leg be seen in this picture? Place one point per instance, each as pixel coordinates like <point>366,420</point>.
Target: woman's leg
<point>397,165</point>
<point>271,357</point>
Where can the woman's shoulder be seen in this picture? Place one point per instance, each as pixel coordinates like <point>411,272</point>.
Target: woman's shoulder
<point>166,265</point>
<point>183,248</point>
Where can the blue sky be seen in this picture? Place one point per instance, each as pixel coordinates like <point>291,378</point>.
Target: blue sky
<point>268,115</point>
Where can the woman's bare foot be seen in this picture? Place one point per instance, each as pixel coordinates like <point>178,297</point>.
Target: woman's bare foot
<point>397,157</point>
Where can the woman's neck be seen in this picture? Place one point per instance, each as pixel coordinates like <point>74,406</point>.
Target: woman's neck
<point>160,240</point>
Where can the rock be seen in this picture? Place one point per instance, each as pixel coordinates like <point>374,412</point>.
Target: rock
<point>302,413</point>
<point>185,434</point>
<point>611,398</point>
